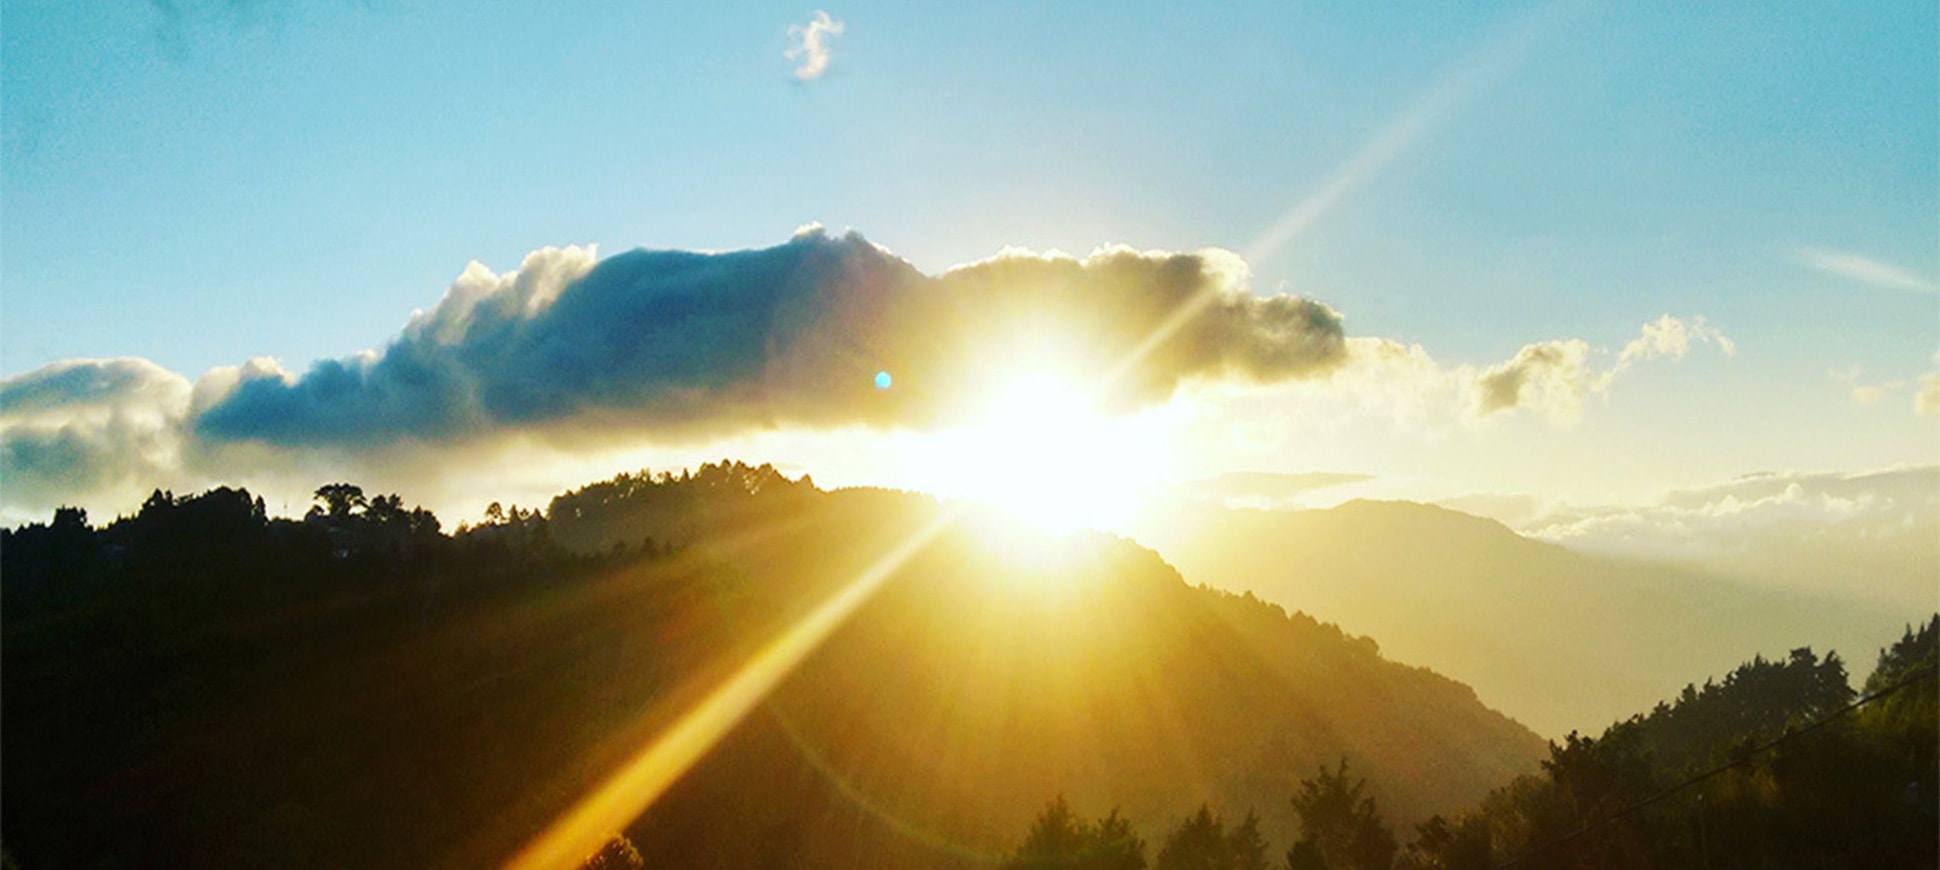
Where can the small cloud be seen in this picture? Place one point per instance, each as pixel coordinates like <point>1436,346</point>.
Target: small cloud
<point>1547,374</point>
<point>811,46</point>
<point>1671,337</point>
<point>1926,399</point>
<point>1846,264</point>
<point>1864,393</point>
<point>1552,377</point>
<point>1556,375</point>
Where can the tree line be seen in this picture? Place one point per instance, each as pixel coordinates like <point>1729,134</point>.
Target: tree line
<point>1769,767</point>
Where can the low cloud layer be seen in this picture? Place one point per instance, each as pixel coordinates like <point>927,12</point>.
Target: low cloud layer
<point>673,346</point>
<point>1871,537</point>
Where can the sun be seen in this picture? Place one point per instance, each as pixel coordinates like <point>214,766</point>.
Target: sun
<point>1040,450</point>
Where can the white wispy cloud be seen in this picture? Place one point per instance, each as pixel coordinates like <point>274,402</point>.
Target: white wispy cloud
<point>811,46</point>
<point>1405,386</point>
<point>1866,270</point>
<point>1556,375</point>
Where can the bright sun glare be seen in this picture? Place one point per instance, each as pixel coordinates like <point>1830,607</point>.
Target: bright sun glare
<point>1040,450</point>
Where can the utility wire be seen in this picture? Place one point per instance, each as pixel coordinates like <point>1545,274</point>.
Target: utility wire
<point>1740,761</point>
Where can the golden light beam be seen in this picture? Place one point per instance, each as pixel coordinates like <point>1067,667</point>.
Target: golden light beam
<point>651,771</point>
<point>1477,71</point>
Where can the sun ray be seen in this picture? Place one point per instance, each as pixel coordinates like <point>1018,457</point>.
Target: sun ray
<point>649,773</point>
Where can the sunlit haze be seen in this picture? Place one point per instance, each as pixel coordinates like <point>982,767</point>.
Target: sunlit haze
<point>616,434</point>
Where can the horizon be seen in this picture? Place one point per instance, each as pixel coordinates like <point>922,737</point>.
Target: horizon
<point>1442,387</point>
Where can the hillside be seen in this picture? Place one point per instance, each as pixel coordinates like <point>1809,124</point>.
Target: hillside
<point>1558,639</point>
<point>1777,764</point>
<point>360,690</point>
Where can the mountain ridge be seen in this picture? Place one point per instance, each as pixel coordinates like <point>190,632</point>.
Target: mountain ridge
<point>342,690</point>
<point>1560,639</point>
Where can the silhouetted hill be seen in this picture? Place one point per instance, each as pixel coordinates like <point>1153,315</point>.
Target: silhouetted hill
<point>1772,766</point>
<point>1560,640</point>
<point>1086,667</point>
<point>200,684</point>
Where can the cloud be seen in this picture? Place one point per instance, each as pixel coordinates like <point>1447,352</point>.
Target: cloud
<point>1548,375</point>
<point>811,45</point>
<point>1555,376</point>
<point>578,356</point>
<point>1926,389</point>
<point>1846,264</point>
<point>571,356</point>
<point>1926,399</point>
<point>87,426</point>
<point>679,345</point>
<point>1863,393</point>
<point>1869,535</point>
<point>1403,383</point>
<point>1668,336</point>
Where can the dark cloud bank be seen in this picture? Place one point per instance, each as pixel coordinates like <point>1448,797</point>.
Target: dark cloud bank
<point>699,345</point>
<point>674,346</point>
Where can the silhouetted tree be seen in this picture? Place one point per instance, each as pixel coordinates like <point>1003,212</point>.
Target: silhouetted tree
<point>1201,842</point>
<point>423,524</point>
<point>1059,839</point>
<point>1246,846</point>
<point>617,854</point>
<point>1340,827</point>
<point>386,509</point>
<point>1463,845</point>
<point>338,501</point>
<point>1856,791</point>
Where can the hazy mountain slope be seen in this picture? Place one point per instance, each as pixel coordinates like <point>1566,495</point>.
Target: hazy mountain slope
<point>1560,640</point>
<point>1092,671</point>
<point>250,692</point>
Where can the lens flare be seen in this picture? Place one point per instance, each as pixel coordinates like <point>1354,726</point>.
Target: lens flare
<point>651,771</point>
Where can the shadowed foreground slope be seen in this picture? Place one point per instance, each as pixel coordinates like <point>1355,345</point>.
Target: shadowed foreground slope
<point>206,683</point>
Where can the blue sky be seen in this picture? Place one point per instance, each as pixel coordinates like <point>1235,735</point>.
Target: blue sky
<point>197,183</point>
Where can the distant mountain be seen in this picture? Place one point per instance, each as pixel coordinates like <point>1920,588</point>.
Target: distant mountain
<point>1558,639</point>
<point>202,684</point>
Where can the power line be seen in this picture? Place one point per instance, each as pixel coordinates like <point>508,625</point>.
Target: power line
<point>1740,761</point>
